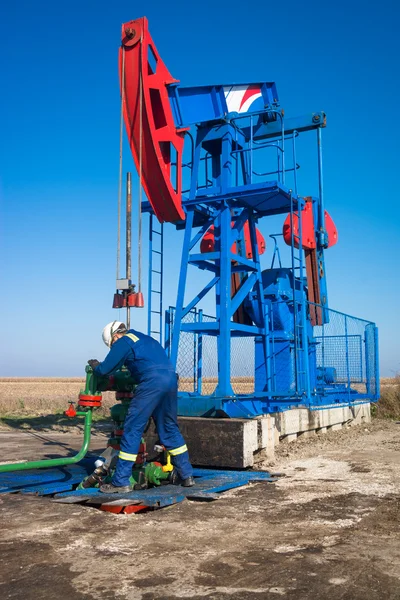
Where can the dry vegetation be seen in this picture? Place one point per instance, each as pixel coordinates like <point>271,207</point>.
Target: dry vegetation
<point>388,406</point>
<point>45,396</point>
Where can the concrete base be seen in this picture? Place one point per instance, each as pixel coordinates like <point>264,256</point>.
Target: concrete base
<point>233,443</point>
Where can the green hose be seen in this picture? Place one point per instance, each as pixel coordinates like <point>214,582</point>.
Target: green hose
<point>57,462</point>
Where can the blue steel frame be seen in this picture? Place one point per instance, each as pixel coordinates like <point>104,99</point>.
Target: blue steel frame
<point>223,194</point>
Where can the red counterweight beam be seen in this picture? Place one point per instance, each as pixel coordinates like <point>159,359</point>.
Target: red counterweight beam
<point>309,244</point>
<point>154,140</point>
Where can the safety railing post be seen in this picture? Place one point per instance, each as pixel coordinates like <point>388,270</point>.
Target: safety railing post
<point>200,356</point>
<point>347,356</point>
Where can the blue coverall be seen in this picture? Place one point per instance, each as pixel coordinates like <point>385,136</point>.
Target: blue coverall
<point>155,395</point>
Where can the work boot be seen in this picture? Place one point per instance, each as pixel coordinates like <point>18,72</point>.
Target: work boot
<point>188,482</point>
<point>109,488</point>
<point>175,479</point>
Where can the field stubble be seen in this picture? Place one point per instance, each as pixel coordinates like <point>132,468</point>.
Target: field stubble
<point>45,396</point>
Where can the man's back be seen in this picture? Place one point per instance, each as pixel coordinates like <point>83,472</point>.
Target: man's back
<point>146,355</point>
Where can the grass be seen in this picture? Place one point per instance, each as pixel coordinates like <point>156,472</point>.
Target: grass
<point>388,406</point>
<point>34,402</point>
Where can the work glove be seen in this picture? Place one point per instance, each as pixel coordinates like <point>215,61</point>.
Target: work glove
<point>93,363</point>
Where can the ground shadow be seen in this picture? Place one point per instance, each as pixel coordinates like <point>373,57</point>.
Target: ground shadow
<point>55,422</point>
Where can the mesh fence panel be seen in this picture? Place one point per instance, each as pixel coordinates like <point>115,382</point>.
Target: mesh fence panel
<point>209,354</point>
<point>340,352</point>
<point>347,345</point>
<point>242,365</point>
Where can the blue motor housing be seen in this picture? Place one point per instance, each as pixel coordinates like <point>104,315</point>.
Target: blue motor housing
<point>278,293</point>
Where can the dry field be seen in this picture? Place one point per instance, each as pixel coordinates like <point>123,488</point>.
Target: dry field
<point>46,396</point>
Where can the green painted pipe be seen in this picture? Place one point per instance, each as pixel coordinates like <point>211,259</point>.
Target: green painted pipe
<point>57,462</point>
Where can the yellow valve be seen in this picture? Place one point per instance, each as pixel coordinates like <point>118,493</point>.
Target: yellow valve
<point>169,466</point>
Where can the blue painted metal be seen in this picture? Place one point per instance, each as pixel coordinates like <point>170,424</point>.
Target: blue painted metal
<point>238,171</point>
<point>191,105</point>
<point>43,481</point>
<point>208,484</point>
<point>60,482</point>
<point>155,279</point>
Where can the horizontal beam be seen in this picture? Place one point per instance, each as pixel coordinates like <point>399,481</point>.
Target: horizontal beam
<point>246,262</point>
<point>212,328</point>
<point>273,129</point>
<point>200,262</point>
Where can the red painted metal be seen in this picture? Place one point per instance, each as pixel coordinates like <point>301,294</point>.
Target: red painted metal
<point>70,412</point>
<point>119,301</point>
<point>207,244</point>
<point>87,400</point>
<point>139,300</point>
<point>126,510</point>
<point>162,142</point>
<point>131,299</point>
<point>309,241</point>
<point>330,230</point>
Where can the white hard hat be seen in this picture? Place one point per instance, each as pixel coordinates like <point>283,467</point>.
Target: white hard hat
<point>110,330</point>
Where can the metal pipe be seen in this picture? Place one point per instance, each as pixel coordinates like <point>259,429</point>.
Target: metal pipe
<point>320,183</point>
<point>294,160</point>
<point>121,126</point>
<point>128,239</point>
<point>57,462</point>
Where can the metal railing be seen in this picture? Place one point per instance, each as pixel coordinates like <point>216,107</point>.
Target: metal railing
<point>341,355</point>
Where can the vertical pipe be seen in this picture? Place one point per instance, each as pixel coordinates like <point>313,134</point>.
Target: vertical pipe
<point>377,374</point>
<point>150,276</point>
<point>292,249</point>
<point>224,244</point>
<point>181,287</point>
<point>161,277</point>
<point>347,356</point>
<point>367,365</point>
<point>278,160</point>
<point>294,161</point>
<point>195,353</point>
<point>321,210</point>
<point>121,127</point>
<point>128,240</point>
<point>251,149</point>
<point>200,357</point>
<point>283,147</point>
<point>304,335</point>
<point>140,244</point>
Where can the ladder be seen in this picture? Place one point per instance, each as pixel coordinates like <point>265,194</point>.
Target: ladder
<point>300,341</point>
<point>155,279</point>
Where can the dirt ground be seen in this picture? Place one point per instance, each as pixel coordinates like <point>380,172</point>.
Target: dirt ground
<point>329,529</point>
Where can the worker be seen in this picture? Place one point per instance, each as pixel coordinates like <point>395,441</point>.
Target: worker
<point>155,396</point>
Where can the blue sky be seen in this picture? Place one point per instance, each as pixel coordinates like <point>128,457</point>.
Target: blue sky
<point>59,154</point>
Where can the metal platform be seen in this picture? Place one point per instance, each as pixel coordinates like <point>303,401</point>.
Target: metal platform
<point>60,483</point>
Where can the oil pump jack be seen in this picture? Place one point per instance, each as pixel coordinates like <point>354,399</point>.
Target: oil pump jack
<point>214,139</point>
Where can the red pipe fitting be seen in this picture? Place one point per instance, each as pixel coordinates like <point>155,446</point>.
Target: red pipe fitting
<point>86,400</point>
